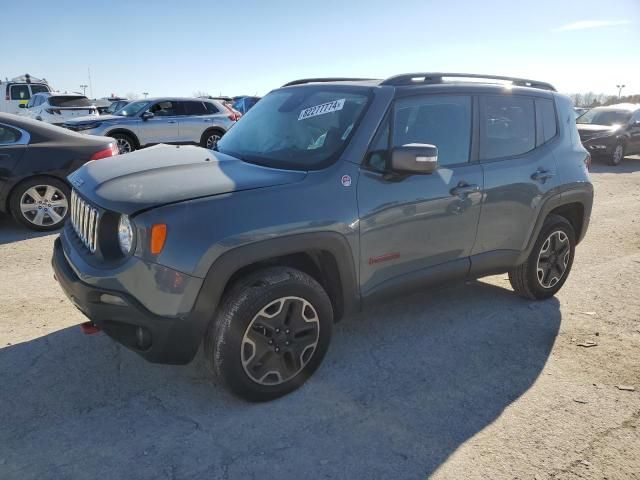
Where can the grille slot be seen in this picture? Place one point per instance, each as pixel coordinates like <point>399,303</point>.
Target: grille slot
<point>84,220</point>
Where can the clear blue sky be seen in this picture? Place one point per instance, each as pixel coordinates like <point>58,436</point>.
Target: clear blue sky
<point>250,46</point>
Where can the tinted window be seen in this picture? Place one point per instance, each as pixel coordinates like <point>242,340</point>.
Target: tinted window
<point>211,108</point>
<point>443,121</point>
<point>38,89</point>
<point>69,101</point>
<point>163,109</point>
<point>194,108</point>
<point>20,92</point>
<point>8,135</point>
<point>507,126</point>
<point>546,115</point>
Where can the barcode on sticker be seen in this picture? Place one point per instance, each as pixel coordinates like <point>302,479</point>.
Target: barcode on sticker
<point>322,109</point>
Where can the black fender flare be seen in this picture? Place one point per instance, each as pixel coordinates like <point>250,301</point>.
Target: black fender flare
<point>223,268</point>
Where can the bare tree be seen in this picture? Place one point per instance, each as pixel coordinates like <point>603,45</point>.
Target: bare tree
<point>132,96</point>
<point>201,93</point>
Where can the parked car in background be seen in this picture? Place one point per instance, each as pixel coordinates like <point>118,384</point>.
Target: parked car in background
<point>580,111</point>
<point>611,132</point>
<point>160,120</point>
<point>331,195</point>
<point>228,103</point>
<point>244,103</point>
<point>56,108</point>
<point>35,160</point>
<point>115,106</point>
<point>18,91</point>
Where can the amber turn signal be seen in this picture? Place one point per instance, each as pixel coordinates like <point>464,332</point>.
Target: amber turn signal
<point>158,236</point>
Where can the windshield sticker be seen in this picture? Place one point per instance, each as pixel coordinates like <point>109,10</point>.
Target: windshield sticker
<point>322,109</point>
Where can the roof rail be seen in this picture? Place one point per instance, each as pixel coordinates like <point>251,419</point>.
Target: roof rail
<point>433,78</point>
<point>324,80</point>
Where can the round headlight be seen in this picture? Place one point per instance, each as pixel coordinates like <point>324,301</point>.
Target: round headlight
<point>125,234</point>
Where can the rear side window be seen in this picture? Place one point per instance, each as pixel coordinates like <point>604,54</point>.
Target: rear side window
<point>194,108</point>
<point>8,135</point>
<point>69,101</point>
<point>546,120</point>
<point>507,126</point>
<point>20,92</point>
<point>211,108</point>
<point>440,120</point>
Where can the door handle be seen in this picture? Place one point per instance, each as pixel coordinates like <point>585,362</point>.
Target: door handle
<point>207,120</point>
<point>172,121</point>
<point>463,188</point>
<point>541,175</point>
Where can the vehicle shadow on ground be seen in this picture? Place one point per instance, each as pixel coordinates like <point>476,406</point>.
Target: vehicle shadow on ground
<point>402,387</point>
<point>11,231</point>
<point>628,165</point>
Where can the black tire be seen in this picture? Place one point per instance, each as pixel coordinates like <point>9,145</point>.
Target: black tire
<point>126,143</point>
<point>525,279</point>
<point>618,154</point>
<point>225,343</point>
<point>208,139</point>
<point>51,214</point>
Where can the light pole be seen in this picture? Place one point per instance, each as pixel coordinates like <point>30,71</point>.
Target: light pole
<point>145,94</point>
<point>84,89</point>
<point>620,87</point>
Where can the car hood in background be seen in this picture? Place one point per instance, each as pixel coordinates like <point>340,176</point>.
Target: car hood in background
<point>93,119</point>
<point>167,174</point>
<point>588,127</point>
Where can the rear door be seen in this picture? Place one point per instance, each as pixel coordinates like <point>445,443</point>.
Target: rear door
<point>413,223</point>
<point>517,133</point>
<point>13,143</point>
<point>163,127</point>
<point>193,121</point>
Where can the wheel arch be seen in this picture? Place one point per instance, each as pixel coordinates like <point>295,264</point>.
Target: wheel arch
<point>124,131</point>
<point>325,256</point>
<point>213,128</point>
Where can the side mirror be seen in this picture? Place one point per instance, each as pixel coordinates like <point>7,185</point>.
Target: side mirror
<point>22,105</point>
<point>147,115</point>
<point>414,158</point>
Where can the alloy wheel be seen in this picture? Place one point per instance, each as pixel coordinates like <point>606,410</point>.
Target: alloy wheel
<point>618,154</point>
<point>124,145</point>
<point>44,205</point>
<point>280,340</point>
<point>212,140</point>
<point>553,259</point>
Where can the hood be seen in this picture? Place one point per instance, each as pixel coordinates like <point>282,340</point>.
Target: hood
<point>93,119</point>
<point>167,174</point>
<point>588,130</point>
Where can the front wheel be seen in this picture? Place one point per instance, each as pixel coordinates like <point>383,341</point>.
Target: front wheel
<point>270,334</point>
<point>125,143</point>
<point>549,263</point>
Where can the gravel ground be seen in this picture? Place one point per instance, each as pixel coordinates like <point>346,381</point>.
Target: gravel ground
<point>468,383</point>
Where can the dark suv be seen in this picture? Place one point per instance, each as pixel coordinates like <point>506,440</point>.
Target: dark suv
<point>611,132</point>
<point>329,195</point>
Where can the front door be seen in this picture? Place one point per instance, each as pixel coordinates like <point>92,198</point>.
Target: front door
<point>163,127</point>
<point>410,224</point>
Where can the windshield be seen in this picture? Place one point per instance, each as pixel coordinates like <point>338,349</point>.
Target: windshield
<point>299,128</point>
<point>38,88</point>
<point>132,109</point>
<point>69,101</point>
<point>605,117</point>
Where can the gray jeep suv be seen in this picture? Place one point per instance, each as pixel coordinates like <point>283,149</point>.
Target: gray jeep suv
<point>328,196</point>
<point>151,121</point>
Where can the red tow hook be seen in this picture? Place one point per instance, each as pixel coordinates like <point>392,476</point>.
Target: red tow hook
<point>89,328</point>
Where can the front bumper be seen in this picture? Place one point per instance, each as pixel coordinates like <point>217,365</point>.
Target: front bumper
<point>172,340</point>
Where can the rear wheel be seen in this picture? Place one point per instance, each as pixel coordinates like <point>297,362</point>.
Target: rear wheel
<point>270,334</point>
<point>617,155</point>
<point>549,262</point>
<point>210,138</point>
<point>125,142</point>
<point>41,203</point>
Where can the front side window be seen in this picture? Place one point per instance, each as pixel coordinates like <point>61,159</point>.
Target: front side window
<point>440,120</point>
<point>163,109</point>
<point>20,92</point>
<point>507,126</point>
<point>605,116</point>
<point>299,128</point>
<point>8,135</point>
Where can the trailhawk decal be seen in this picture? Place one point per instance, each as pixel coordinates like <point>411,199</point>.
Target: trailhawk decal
<point>322,109</point>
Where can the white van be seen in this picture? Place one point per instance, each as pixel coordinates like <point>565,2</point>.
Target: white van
<point>18,91</point>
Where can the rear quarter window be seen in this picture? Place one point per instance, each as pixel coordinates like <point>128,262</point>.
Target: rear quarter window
<point>8,135</point>
<point>547,126</point>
